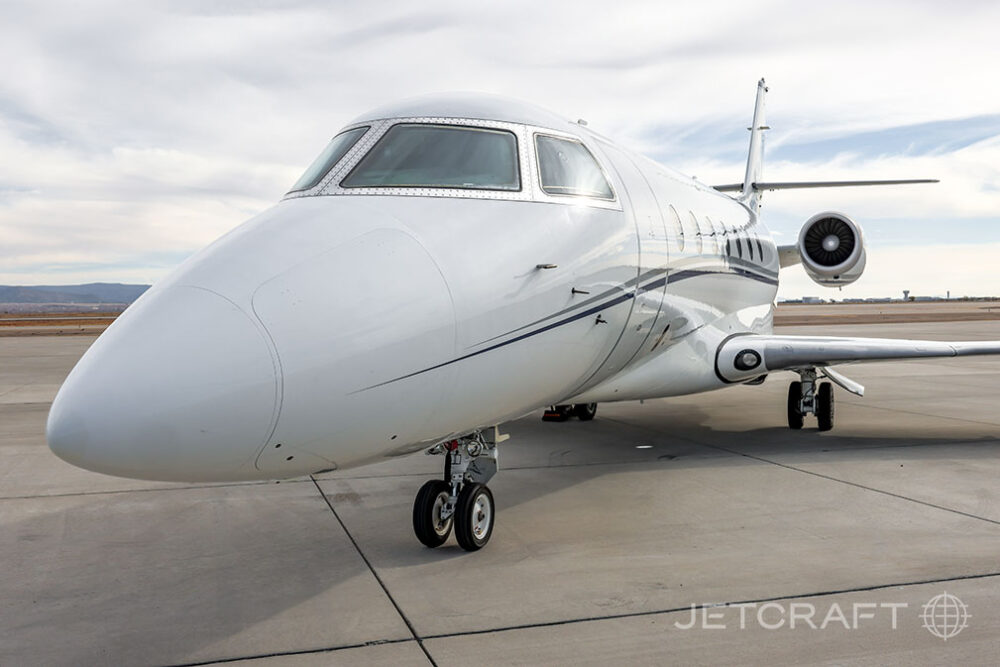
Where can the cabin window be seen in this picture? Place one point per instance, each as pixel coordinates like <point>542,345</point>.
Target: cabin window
<point>720,229</point>
<point>739,247</point>
<point>760,250</point>
<point>422,155</point>
<point>709,230</point>
<point>566,167</point>
<point>678,229</point>
<point>690,226</point>
<point>331,155</point>
<point>705,229</point>
<point>697,230</point>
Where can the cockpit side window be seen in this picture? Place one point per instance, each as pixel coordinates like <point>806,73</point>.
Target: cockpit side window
<point>331,155</point>
<point>566,167</point>
<point>422,155</point>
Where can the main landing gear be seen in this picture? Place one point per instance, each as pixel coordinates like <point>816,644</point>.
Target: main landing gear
<point>460,500</point>
<point>804,399</point>
<point>560,413</point>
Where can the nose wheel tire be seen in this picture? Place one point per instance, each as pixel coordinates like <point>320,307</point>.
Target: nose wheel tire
<point>474,515</point>
<point>585,411</point>
<point>431,499</point>
<point>824,406</point>
<point>794,413</point>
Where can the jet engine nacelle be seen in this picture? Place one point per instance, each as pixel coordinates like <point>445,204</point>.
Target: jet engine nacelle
<point>832,249</point>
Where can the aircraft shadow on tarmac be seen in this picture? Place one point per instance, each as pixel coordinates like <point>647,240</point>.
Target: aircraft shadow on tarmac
<point>167,575</point>
<point>542,459</point>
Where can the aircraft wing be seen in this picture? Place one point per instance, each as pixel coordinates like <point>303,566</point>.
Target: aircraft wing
<point>744,357</point>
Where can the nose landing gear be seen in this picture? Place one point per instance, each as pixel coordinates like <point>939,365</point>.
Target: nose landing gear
<point>474,525</point>
<point>462,498</point>
<point>430,523</point>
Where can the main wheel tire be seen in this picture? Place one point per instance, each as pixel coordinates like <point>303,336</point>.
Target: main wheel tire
<point>557,413</point>
<point>794,397</point>
<point>824,406</point>
<point>474,516</point>
<point>427,523</point>
<point>585,411</point>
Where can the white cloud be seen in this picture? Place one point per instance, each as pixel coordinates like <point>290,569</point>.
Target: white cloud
<point>131,134</point>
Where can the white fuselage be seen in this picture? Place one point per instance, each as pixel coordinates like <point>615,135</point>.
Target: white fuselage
<point>340,327</point>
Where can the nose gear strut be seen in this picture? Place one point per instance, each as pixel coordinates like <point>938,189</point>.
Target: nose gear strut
<point>462,498</point>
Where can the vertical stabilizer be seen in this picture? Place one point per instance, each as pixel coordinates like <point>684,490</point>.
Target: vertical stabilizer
<point>755,160</point>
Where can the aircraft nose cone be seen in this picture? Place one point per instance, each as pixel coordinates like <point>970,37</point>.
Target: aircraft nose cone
<point>183,387</point>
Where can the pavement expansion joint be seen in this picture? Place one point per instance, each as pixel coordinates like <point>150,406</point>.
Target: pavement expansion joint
<point>371,568</point>
<point>282,654</point>
<point>111,492</point>
<point>857,485</point>
<point>831,478</point>
<point>732,603</point>
<point>918,413</point>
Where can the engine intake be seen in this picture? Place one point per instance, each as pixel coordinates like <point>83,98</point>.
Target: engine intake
<point>831,246</point>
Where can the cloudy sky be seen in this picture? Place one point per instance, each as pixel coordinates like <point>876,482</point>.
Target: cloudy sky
<point>132,134</point>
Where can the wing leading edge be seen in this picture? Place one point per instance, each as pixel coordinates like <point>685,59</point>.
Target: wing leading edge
<point>744,357</point>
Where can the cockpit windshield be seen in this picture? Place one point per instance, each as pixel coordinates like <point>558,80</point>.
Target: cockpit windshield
<point>331,155</point>
<point>421,155</point>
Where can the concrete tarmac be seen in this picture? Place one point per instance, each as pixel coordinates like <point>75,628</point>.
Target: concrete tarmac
<point>793,547</point>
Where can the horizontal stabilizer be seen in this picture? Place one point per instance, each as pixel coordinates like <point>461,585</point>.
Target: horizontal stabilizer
<point>801,185</point>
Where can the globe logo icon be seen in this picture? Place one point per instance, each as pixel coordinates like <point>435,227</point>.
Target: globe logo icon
<point>945,616</point>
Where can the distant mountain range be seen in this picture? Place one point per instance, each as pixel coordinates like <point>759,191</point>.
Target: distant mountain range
<point>92,293</point>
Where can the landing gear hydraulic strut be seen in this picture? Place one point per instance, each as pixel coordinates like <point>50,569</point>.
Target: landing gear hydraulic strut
<point>804,398</point>
<point>461,499</point>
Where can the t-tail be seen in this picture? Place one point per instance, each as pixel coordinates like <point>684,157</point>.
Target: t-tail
<point>749,194</point>
<point>752,186</point>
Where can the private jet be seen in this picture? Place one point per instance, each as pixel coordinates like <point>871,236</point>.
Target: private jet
<point>448,264</point>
